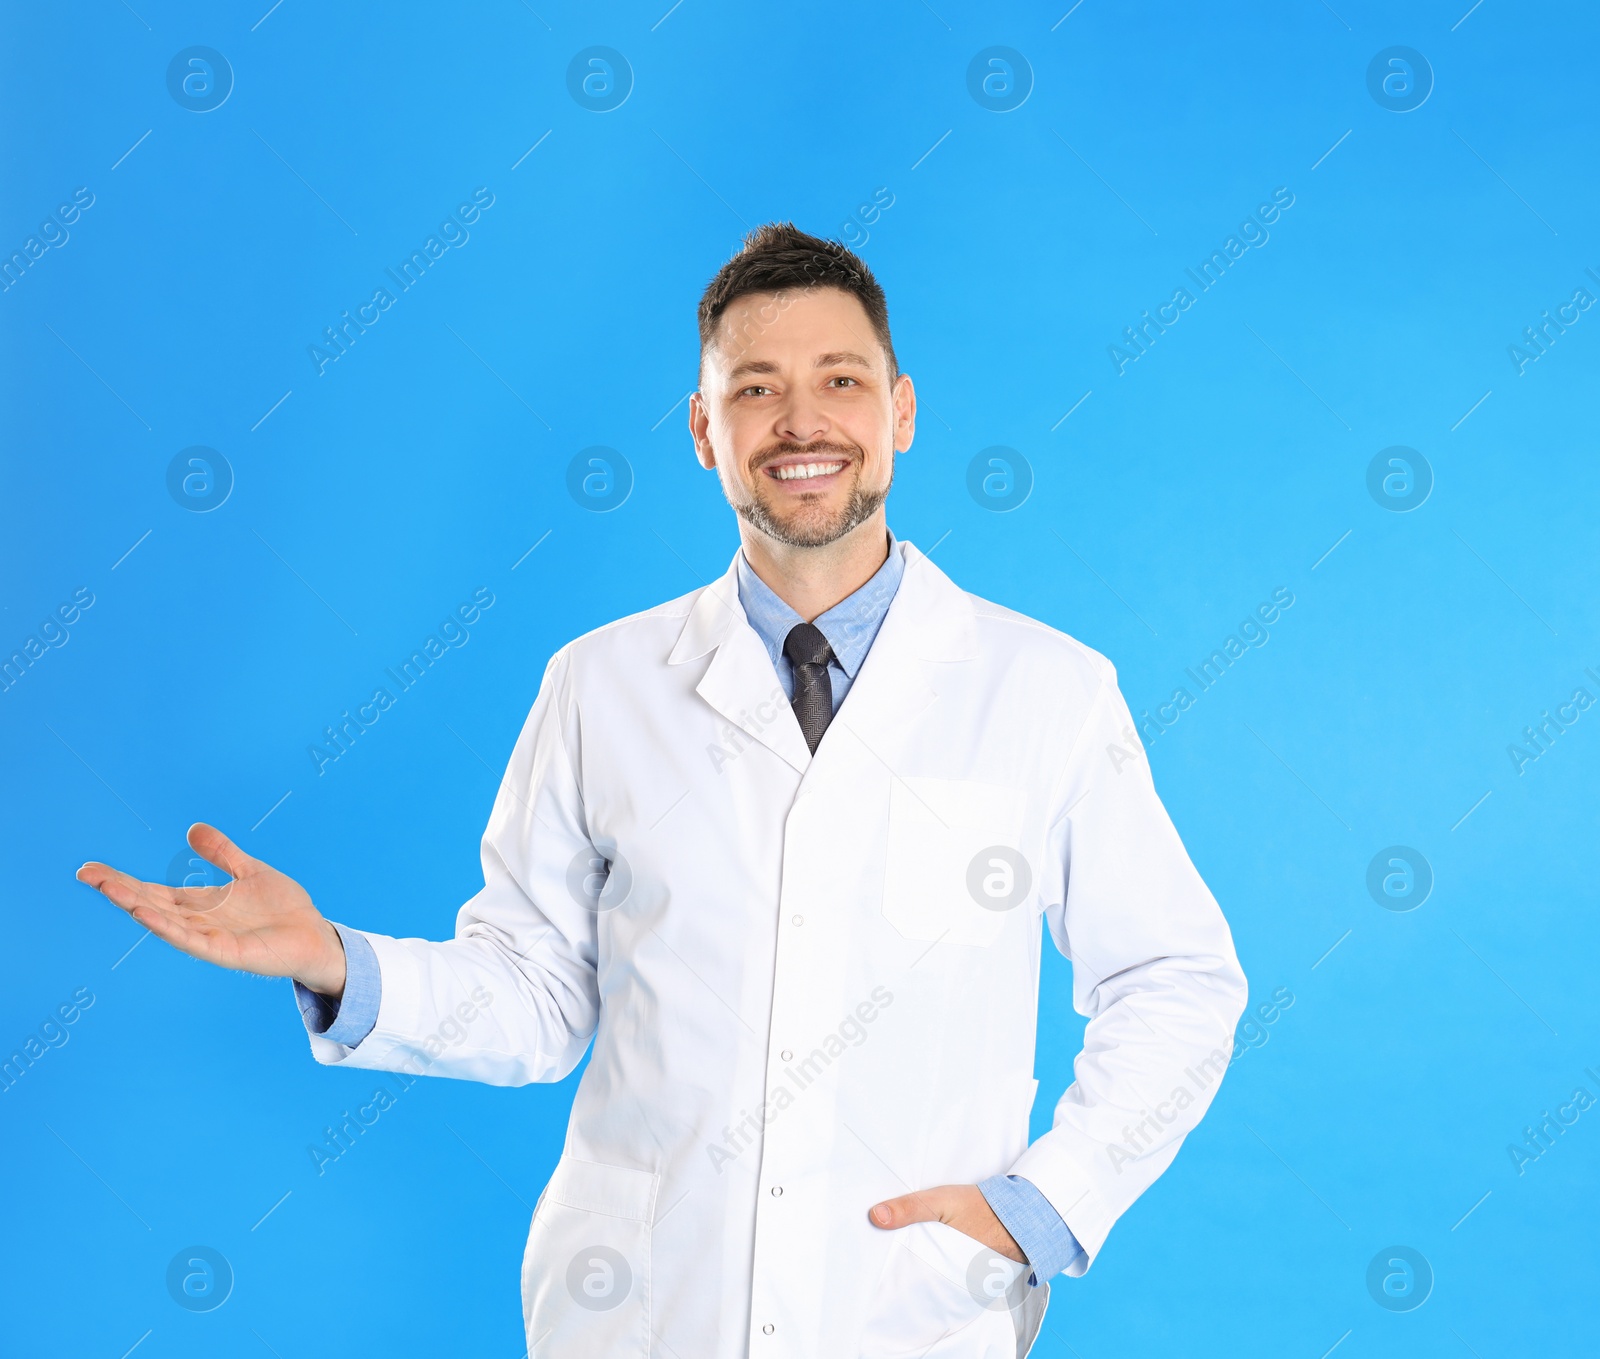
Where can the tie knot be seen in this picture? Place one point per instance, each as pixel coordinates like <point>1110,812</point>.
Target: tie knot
<point>805,645</point>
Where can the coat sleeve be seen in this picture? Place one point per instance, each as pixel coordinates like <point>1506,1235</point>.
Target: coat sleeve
<point>513,998</point>
<point>1153,970</point>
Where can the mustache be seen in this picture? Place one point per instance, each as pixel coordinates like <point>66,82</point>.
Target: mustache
<point>818,452</point>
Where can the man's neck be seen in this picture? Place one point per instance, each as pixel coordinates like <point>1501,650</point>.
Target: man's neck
<point>811,580</point>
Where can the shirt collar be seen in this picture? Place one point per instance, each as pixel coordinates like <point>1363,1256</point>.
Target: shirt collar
<point>850,626</point>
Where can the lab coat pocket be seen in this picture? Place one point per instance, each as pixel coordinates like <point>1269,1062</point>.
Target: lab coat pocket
<point>955,868</point>
<point>586,1271</point>
<point>943,1293</point>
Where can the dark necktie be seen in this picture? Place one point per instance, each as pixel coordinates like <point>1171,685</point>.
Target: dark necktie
<point>809,653</point>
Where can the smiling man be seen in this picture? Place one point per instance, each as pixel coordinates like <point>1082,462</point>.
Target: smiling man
<point>784,851</point>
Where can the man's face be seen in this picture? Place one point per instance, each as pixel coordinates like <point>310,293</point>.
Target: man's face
<point>798,415</point>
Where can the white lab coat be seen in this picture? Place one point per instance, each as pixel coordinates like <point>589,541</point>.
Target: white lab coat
<point>804,984</point>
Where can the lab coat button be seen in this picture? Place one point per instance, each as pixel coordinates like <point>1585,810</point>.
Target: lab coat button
<point>768,1329</point>
<point>777,1191</point>
<point>799,920</point>
<point>787,1055</point>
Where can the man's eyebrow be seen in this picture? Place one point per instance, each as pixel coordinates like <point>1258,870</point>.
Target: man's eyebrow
<point>752,366</point>
<point>841,356</point>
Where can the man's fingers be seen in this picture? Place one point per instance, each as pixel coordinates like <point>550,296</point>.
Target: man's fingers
<point>150,904</point>
<point>127,891</point>
<point>171,928</point>
<point>130,894</point>
<point>923,1206</point>
<point>215,847</point>
<point>123,889</point>
<point>94,873</point>
<point>181,918</point>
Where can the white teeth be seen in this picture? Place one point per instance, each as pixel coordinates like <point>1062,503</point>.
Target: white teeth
<point>806,469</point>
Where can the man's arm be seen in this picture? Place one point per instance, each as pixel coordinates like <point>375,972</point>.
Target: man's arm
<point>512,998</point>
<point>1153,968</point>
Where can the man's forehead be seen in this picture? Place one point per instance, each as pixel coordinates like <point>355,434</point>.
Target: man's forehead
<point>758,329</point>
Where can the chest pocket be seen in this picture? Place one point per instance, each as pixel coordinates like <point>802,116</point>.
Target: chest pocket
<point>955,870</point>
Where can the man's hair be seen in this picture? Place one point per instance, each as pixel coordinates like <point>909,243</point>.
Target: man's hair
<point>778,256</point>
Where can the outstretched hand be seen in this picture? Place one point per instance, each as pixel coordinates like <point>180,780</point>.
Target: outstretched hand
<point>263,921</point>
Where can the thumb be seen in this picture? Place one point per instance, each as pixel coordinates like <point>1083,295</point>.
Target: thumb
<point>215,847</point>
<point>908,1208</point>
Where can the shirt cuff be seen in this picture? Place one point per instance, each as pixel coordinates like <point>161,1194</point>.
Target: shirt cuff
<point>351,1018</point>
<point>1034,1224</point>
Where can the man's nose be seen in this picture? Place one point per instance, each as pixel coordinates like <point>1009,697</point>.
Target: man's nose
<point>802,420</point>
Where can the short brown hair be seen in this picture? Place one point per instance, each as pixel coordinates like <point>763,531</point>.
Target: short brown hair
<point>778,256</point>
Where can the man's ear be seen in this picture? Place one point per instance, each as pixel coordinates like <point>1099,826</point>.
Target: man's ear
<point>905,414</point>
<point>700,431</point>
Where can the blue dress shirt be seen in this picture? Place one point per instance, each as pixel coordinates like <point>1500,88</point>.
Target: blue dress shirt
<point>850,626</point>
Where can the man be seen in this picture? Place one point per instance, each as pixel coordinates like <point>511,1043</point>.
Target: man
<point>784,850</point>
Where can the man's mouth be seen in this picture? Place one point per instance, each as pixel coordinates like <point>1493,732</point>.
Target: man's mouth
<point>810,497</point>
<point>804,471</point>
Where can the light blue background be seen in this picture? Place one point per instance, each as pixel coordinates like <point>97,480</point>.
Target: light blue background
<point>1223,464</point>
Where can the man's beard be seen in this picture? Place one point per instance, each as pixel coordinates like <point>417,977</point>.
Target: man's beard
<point>805,530</point>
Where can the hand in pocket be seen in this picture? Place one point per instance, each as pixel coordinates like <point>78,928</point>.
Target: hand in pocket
<point>945,1290</point>
<point>961,1206</point>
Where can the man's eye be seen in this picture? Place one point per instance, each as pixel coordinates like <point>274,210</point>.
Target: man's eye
<point>842,378</point>
<point>748,391</point>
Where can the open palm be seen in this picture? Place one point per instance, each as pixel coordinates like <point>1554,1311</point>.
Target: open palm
<point>263,921</point>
